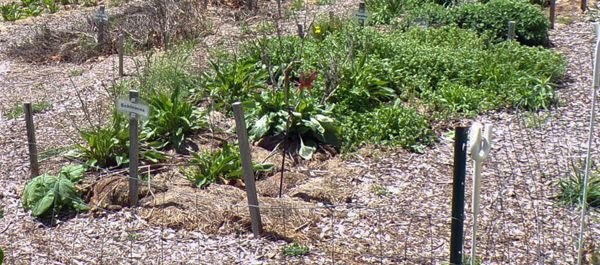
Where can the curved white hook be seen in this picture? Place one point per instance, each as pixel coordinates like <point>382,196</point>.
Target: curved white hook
<point>480,141</point>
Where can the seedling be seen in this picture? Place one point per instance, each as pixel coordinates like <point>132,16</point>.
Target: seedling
<point>295,250</point>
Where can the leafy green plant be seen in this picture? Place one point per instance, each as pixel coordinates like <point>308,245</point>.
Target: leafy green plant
<point>108,146</point>
<point>47,195</point>
<point>295,249</point>
<point>221,166</point>
<point>493,17</point>
<point>172,118</point>
<point>571,188</point>
<point>300,123</point>
<point>396,125</point>
<point>384,11</point>
<point>297,5</point>
<point>231,79</point>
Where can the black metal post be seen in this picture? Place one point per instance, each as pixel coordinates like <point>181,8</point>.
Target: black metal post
<point>458,195</point>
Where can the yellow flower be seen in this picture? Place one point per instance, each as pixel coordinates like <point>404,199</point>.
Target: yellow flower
<point>317,30</point>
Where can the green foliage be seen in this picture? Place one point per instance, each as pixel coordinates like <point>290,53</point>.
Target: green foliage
<point>31,8</point>
<point>295,249</point>
<point>47,195</point>
<point>166,84</point>
<point>108,146</point>
<point>219,166</point>
<point>395,125</point>
<point>384,11</point>
<point>571,188</point>
<point>426,15</point>
<point>446,72</point>
<point>172,118</point>
<point>493,17</point>
<point>37,107</point>
<point>301,121</point>
<point>231,79</point>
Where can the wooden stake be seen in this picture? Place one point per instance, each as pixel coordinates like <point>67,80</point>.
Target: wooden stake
<point>240,125</point>
<point>33,154</point>
<point>133,151</point>
<point>552,13</point>
<point>120,50</point>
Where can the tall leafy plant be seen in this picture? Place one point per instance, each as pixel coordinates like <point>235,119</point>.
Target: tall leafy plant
<point>172,118</point>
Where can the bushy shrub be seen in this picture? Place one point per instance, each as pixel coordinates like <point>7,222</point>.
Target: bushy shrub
<point>531,24</point>
<point>395,125</point>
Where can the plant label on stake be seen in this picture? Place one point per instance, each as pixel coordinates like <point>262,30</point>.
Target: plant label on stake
<point>125,105</point>
<point>135,109</point>
<point>362,14</point>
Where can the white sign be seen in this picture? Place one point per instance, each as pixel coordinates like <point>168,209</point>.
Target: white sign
<point>125,105</point>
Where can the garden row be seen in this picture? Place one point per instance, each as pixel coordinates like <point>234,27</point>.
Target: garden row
<point>334,89</point>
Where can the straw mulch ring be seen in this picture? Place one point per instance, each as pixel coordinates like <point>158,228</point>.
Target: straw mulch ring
<point>222,209</point>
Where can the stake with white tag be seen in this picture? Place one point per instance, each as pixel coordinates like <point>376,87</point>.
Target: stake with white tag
<point>362,14</point>
<point>135,109</point>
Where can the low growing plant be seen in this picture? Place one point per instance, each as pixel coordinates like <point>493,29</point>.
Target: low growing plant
<point>571,188</point>
<point>295,249</point>
<point>48,195</point>
<point>220,166</point>
<point>396,125</point>
<point>172,118</point>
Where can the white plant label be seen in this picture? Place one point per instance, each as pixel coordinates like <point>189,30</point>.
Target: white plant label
<point>125,105</point>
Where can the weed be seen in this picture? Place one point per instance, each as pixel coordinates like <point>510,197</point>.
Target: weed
<point>571,187</point>
<point>76,72</point>
<point>325,2</point>
<point>295,250</point>
<point>380,190</point>
<point>17,111</point>
<point>297,5</point>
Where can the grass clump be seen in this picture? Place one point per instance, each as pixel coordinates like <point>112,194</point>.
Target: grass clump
<point>17,111</point>
<point>571,188</point>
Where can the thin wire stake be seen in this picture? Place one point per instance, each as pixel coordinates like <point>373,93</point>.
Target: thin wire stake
<point>588,155</point>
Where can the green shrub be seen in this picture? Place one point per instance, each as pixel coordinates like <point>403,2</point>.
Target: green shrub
<point>531,24</point>
<point>219,166</point>
<point>48,195</point>
<point>396,125</point>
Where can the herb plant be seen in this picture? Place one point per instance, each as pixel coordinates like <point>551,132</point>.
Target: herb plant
<point>295,249</point>
<point>47,195</point>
